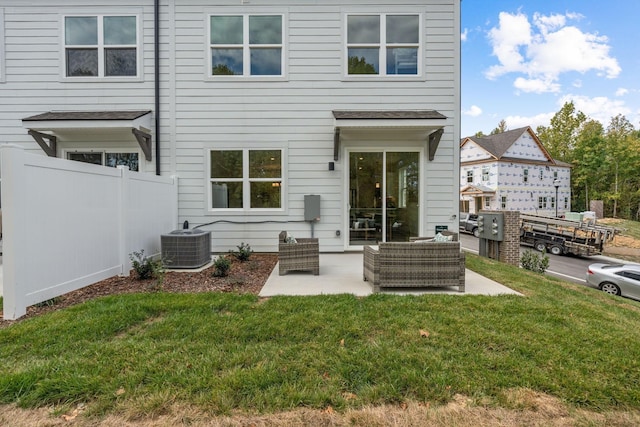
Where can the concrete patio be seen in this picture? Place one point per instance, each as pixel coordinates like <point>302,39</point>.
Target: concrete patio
<point>341,273</point>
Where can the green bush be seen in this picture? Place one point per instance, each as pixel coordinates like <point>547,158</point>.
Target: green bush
<point>222,266</point>
<point>146,267</point>
<point>534,262</point>
<point>244,252</point>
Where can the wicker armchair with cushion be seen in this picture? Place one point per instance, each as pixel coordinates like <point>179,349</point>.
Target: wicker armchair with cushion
<point>422,264</point>
<point>298,254</point>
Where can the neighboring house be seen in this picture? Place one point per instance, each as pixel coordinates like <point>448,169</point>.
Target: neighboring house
<point>253,105</point>
<point>513,171</point>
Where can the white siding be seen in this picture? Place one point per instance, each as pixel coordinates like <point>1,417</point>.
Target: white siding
<point>295,113</point>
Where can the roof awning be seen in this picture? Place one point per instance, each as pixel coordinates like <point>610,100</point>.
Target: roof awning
<point>477,191</point>
<point>43,127</point>
<point>431,121</point>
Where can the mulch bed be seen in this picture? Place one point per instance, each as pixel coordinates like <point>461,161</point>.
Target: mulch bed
<point>244,277</point>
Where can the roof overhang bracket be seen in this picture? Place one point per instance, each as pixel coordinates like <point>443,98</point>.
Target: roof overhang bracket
<point>41,138</point>
<point>336,143</point>
<point>144,139</point>
<point>433,142</point>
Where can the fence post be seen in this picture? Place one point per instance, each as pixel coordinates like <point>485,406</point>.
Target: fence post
<point>122,219</point>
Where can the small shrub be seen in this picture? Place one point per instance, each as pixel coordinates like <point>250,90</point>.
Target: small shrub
<point>147,267</point>
<point>534,262</point>
<point>222,266</point>
<point>244,252</point>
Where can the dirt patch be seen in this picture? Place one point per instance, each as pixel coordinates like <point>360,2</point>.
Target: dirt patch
<point>526,408</point>
<point>244,277</point>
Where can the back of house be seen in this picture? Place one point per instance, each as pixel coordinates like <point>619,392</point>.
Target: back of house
<point>253,106</point>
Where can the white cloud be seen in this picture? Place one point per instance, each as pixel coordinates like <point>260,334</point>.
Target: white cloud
<point>544,49</point>
<point>622,91</point>
<point>464,34</point>
<point>543,119</point>
<point>474,111</point>
<point>599,108</point>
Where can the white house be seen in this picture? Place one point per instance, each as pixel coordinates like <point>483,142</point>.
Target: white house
<point>253,105</point>
<point>513,171</point>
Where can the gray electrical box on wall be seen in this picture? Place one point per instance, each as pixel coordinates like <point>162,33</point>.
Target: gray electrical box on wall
<point>312,207</point>
<point>491,226</point>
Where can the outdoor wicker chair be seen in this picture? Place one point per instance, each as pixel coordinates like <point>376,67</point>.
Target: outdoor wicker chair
<point>300,255</point>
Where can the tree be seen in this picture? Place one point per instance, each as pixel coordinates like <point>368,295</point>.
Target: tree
<point>360,66</point>
<point>589,155</point>
<point>621,157</point>
<point>502,127</point>
<point>559,138</point>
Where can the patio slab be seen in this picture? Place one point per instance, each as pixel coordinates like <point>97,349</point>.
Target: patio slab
<point>341,273</point>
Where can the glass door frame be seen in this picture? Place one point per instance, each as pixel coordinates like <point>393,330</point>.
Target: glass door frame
<point>383,184</point>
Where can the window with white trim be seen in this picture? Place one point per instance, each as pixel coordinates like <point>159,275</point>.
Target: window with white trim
<point>541,174</point>
<point>469,177</point>
<point>566,203</point>
<point>487,202</point>
<point>383,44</point>
<point>525,177</point>
<point>485,173</point>
<point>541,202</point>
<point>107,158</point>
<point>245,179</point>
<point>246,45</point>
<point>503,202</point>
<point>101,46</point>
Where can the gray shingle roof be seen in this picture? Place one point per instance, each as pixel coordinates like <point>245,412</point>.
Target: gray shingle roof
<point>87,115</point>
<point>400,114</point>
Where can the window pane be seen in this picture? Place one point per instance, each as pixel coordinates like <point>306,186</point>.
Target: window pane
<point>226,30</point>
<point>403,29</point>
<point>265,194</point>
<point>265,29</point>
<point>82,62</point>
<point>402,61</point>
<point>226,164</point>
<point>120,62</point>
<point>226,62</point>
<point>266,62</point>
<point>363,29</point>
<point>93,158</point>
<point>122,159</point>
<point>364,61</point>
<point>226,195</point>
<point>119,30</point>
<point>265,164</point>
<point>81,30</point>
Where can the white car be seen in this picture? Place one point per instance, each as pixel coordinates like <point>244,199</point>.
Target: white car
<point>615,279</point>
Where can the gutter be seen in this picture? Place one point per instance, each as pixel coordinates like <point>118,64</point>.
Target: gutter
<point>156,47</point>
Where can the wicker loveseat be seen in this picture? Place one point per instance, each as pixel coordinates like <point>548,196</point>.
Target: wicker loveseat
<point>301,255</point>
<point>414,265</point>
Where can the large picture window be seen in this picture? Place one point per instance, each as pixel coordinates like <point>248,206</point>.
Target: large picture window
<point>246,45</point>
<point>384,45</point>
<point>101,46</point>
<point>245,179</point>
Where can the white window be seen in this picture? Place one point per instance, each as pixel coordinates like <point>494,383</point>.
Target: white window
<point>469,177</point>
<point>107,158</point>
<point>541,202</point>
<point>485,173</point>
<point>525,177</point>
<point>503,202</point>
<point>383,44</point>
<point>555,175</point>
<point>566,203</point>
<point>101,46</point>
<point>553,202</point>
<point>245,179</point>
<point>541,174</point>
<point>246,45</point>
<point>487,202</point>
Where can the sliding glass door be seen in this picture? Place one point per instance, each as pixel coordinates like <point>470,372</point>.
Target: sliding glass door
<point>384,191</point>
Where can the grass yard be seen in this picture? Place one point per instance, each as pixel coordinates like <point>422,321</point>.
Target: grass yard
<point>223,353</point>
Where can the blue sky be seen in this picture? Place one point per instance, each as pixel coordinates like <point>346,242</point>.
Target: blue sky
<point>523,59</point>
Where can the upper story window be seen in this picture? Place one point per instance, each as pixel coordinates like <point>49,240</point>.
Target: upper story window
<point>503,202</point>
<point>383,45</point>
<point>469,177</point>
<point>485,173</point>
<point>525,177</point>
<point>541,174</point>
<point>245,179</point>
<point>246,45</point>
<point>101,46</point>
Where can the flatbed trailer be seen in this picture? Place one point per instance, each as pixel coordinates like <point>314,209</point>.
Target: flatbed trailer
<point>561,236</point>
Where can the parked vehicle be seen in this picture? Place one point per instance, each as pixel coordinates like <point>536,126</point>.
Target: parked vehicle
<point>561,236</point>
<point>469,223</point>
<point>615,279</point>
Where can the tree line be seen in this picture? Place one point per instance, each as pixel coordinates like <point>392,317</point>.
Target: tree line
<point>605,161</point>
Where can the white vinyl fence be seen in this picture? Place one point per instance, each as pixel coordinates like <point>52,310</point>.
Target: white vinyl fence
<point>67,224</point>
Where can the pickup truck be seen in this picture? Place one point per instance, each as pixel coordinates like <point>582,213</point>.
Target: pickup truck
<point>469,223</point>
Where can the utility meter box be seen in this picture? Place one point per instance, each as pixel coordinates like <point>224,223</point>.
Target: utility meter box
<point>312,207</point>
<point>491,226</point>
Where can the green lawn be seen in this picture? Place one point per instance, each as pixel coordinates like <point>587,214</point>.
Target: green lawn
<point>227,352</point>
